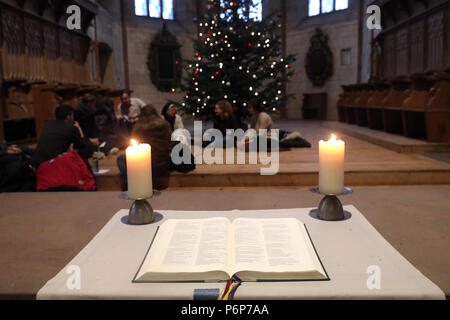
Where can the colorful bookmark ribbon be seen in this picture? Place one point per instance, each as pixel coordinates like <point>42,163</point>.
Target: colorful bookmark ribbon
<point>231,288</point>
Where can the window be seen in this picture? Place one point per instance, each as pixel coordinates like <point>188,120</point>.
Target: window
<point>317,7</point>
<point>255,11</point>
<point>154,8</point>
<point>346,57</point>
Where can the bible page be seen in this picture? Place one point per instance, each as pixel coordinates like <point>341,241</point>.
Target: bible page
<point>183,249</point>
<point>276,247</point>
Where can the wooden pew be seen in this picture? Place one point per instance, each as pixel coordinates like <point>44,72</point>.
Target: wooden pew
<point>374,105</point>
<point>438,110</point>
<point>392,111</point>
<point>366,92</point>
<point>415,106</point>
<point>350,112</point>
<point>342,103</point>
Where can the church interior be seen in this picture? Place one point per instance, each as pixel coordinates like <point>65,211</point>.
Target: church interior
<point>375,73</point>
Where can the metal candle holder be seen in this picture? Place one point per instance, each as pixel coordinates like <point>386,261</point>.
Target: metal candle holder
<point>141,212</point>
<point>330,208</point>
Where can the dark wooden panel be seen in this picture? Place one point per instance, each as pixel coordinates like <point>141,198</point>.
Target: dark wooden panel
<point>13,53</point>
<point>402,56</point>
<point>389,58</point>
<point>51,44</point>
<point>34,42</point>
<point>435,39</point>
<point>417,47</point>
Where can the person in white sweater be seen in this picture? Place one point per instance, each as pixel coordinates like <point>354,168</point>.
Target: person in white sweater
<point>260,120</point>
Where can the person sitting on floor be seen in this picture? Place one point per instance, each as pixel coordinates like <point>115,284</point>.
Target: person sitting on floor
<point>169,112</point>
<point>14,153</point>
<point>260,120</point>
<point>16,173</point>
<point>130,108</point>
<point>105,123</point>
<point>59,135</point>
<point>84,115</point>
<point>225,122</point>
<point>128,114</point>
<point>155,131</point>
<point>96,122</point>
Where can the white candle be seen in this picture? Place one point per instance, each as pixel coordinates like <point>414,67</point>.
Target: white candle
<point>331,175</point>
<point>139,171</point>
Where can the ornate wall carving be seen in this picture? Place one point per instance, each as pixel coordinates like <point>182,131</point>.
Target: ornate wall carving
<point>319,59</point>
<point>416,43</point>
<point>36,50</point>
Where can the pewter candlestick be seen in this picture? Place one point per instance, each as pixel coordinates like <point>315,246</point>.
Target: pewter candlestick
<point>330,208</point>
<point>141,212</point>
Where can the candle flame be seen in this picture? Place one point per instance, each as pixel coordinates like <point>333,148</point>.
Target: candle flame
<point>134,143</point>
<point>333,138</point>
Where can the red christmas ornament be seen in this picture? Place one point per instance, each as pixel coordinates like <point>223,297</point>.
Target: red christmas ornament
<point>249,45</point>
<point>221,40</point>
<point>196,72</point>
<point>177,62</point>
<point>188,92</point>
<point>235,109</point>
<point>197,54</point>
<point>279,15</point>
<point>217,73</point>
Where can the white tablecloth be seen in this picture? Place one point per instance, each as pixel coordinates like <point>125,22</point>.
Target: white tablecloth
<point>347,250</point>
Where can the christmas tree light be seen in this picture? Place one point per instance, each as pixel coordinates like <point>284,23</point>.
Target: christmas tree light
<point>236,58</point>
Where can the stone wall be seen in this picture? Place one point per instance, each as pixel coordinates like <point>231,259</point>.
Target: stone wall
<point>109,32</point>
<point>341,28</point>
<point>342,36</point>
<point>140,33</point>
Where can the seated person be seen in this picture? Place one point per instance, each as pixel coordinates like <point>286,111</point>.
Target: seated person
<point>105,123</point>
<point>14,153</point>
<point>155,131</point>
<point>16,173</point>
<point>130,108</point>
<point>84,114</point>
<point>59,135</point>
<point>260,120</point>
<point>225,122</point>
<point>169,112</point>
<point>128,114</point>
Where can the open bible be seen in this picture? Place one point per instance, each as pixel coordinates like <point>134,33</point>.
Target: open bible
<point>215,249</point>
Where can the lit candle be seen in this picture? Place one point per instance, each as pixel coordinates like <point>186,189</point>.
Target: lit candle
<point>331,175</point>
<point>139,171</point>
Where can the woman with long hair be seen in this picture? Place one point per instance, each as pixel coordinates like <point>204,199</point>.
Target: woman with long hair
<point>225,122</point>
<point>155,131</point>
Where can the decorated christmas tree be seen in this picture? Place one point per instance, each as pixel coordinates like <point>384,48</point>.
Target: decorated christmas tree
<point>237,58</point>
